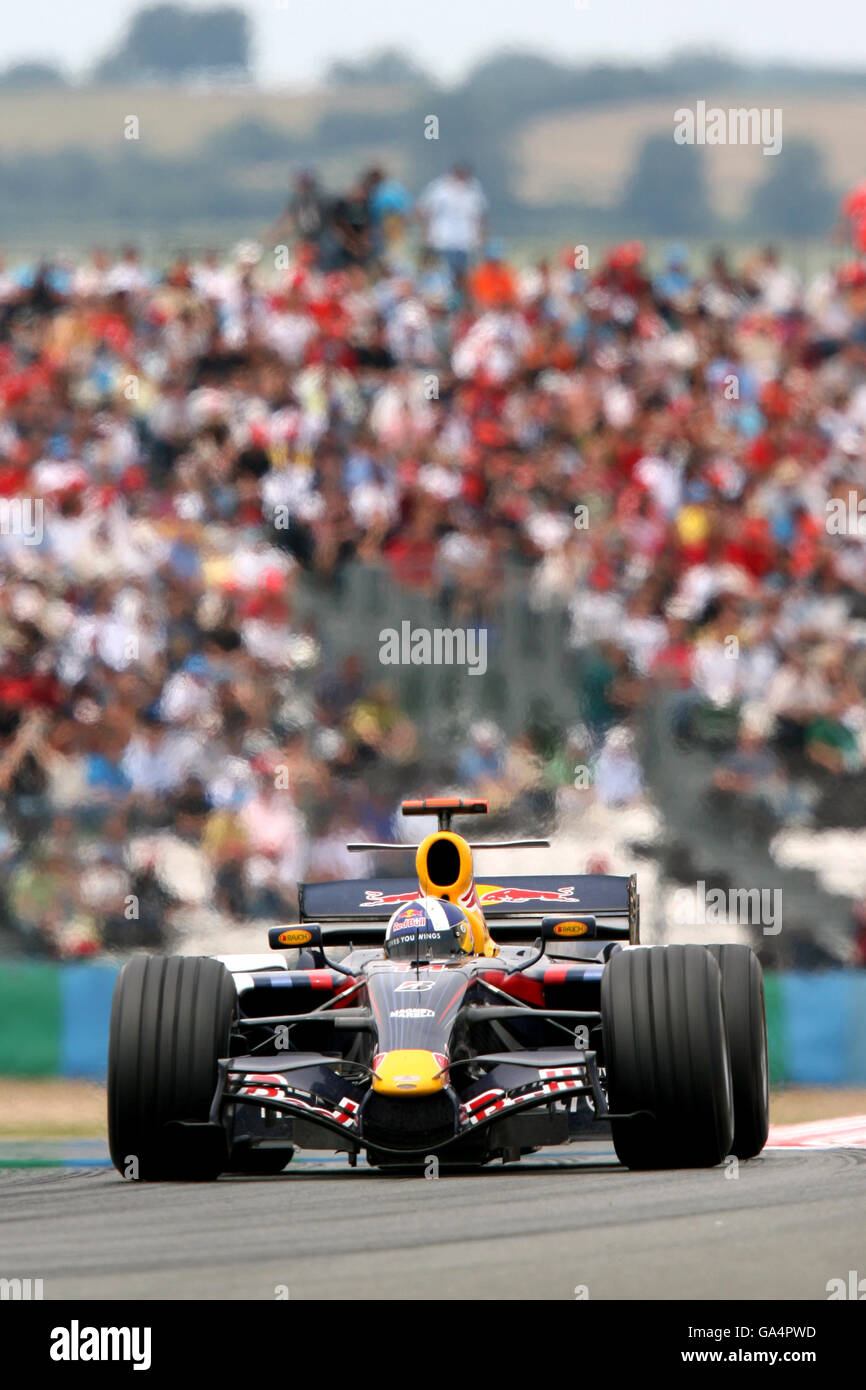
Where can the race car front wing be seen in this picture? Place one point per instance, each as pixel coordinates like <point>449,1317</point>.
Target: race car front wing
<point>316,1101</point>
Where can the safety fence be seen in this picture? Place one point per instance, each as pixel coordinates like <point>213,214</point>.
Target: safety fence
<point>54,1022</point>
<point>522,669</point>
<point>536,678</point>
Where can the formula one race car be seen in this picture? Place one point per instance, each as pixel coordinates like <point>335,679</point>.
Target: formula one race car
<point>468,1021</point>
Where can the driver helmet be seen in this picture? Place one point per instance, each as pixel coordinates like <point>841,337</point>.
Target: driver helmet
<point>428,929</point>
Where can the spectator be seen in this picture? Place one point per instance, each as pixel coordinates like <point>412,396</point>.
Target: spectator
<point>169,714</point>
<point>482,761</point>
<point>616,774</point>
<point>304,216</point>
<point>453,214</point>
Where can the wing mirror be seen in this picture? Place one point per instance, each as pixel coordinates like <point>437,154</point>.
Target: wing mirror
<point>560,930</point>
<point>304,936</point>
<point>295,937</point>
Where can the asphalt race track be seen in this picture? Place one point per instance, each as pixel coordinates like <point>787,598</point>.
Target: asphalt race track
<point>788,1223</point>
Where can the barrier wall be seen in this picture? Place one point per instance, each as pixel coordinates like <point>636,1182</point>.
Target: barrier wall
<point>54,1019</point>
<point>54,1022</point>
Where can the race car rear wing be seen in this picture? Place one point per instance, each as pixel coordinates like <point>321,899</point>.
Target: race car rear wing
<point>505,901</point>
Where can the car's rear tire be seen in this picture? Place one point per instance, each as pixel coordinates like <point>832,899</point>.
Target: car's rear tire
<point>666,1053</point>
<point>745,1013</point>
<point>171,1020</point>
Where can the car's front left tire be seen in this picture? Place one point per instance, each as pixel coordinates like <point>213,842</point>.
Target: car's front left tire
<point>666,1057</point>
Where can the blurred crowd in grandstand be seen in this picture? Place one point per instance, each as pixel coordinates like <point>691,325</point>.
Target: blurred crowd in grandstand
<point>375,382</point>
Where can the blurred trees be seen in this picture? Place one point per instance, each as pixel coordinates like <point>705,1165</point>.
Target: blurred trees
<point>171,41</point>
<point>666,194</point>
<point>794,199</point>
<point>387,68</point>
<point>32,75</point>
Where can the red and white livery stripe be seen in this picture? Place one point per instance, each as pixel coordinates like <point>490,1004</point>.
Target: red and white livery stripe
<point>343,1112</point>
<point>480,1112</point>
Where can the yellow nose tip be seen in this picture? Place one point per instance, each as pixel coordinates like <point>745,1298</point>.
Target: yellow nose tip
<point>408,1071</point>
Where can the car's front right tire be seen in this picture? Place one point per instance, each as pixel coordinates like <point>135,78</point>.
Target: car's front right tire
<point>746,1018</point>
<point>171,1021</point>
<point>259,1163</point>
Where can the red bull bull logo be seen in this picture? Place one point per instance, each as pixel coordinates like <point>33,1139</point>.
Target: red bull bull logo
<point>374,898</point>
<point>489,894</point>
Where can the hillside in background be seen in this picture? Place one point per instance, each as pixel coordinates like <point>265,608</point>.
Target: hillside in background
<point>557,148</point>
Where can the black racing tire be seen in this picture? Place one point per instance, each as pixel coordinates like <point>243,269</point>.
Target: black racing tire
<point>259,1162</point>
<point>666,1053</point>
<point>746,1016</point>
<point>171,1020</point>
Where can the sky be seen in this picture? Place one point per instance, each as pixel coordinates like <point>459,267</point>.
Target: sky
<point>295,39</point>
